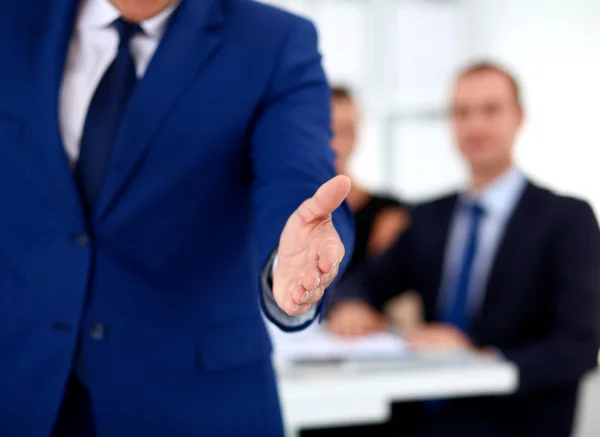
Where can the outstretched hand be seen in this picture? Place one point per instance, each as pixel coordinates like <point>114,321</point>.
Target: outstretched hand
<point>310,250</point>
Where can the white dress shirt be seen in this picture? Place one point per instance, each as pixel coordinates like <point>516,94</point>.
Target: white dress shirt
<point>92,49</point>
<point>499,200</point>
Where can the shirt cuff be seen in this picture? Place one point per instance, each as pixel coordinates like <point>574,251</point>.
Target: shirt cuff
<point>271,307</point>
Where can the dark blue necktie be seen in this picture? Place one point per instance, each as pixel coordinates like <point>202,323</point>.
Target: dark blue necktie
<point>456,311</point>
<point>104,118</point>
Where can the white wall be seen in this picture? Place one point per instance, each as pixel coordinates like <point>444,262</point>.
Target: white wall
<point>554,48</point>
<point>401,54</point>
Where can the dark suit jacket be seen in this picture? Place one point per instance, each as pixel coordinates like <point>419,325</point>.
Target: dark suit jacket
<point>541,307</point>
<point>224,137</point>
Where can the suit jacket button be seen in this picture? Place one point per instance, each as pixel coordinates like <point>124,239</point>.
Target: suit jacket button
<point>82,239</point>
<point>97,331</point>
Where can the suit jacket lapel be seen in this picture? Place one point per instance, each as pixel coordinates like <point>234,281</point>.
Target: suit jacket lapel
<point>51,36</point>
<point>439,235</point>
<point>189,44</point>
<point>497,295</point>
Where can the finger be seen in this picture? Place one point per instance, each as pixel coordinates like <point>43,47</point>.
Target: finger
<point>421,332</point>
<point>302,296</point>
<point>314,296</point>
<point>301,309</point>
<point>287,303</point>
<point>418,342</point>
<point>418,338</point>
<point>312,279</point>
<point>419,346</point>
<point>330,255</point>
<point>298,294</point>
<point>326,200</point>
<point>429,339</point>
<point>328,278</point>
<point>294,309</point>
<point>424,335</point>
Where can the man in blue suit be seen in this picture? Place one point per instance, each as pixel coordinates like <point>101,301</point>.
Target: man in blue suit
<point>164,167</point>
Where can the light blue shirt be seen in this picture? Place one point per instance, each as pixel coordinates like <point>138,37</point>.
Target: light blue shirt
<point>499,200</point>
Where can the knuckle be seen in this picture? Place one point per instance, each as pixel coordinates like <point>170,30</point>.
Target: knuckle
<point>317,294</point>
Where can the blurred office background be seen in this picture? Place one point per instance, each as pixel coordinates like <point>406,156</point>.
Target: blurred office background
<point>401,56</point>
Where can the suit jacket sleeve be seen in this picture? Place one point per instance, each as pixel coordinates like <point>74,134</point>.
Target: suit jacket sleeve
<point>572,348</point>
<point>290,152</point>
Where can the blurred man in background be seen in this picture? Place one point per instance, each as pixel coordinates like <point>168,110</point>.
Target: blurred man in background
<point>505,268</point>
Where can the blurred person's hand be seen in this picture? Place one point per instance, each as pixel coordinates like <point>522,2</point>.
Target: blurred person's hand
<point>387,227</point>
<point>310,250</point>
<point>439,337</point>
<point>354,319</point>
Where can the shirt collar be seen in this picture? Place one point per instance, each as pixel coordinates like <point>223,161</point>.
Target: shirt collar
<point>98,14</point>
<point>500,196</point>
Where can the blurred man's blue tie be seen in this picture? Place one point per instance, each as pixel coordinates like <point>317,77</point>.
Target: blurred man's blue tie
<point>456,312</point>
<point>104,117</point>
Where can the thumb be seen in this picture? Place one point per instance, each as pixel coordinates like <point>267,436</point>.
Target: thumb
<point>326,200</point>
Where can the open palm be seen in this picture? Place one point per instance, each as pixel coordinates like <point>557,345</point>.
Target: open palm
<point>310,250</point>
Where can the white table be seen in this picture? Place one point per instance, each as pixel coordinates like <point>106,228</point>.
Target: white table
<point>360,392</point>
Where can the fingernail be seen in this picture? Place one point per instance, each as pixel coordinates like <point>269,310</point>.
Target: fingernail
<point>305,297</point>
<point>295,308</point>
<point>317,282</point>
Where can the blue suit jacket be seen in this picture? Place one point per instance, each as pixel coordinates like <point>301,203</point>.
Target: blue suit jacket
<point>224,137</point>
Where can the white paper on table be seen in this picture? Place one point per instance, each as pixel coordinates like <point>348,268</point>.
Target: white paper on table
<point>316,344</point>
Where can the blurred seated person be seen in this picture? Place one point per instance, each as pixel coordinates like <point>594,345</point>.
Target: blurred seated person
<point>379,219</point>
<point>505,268</point>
